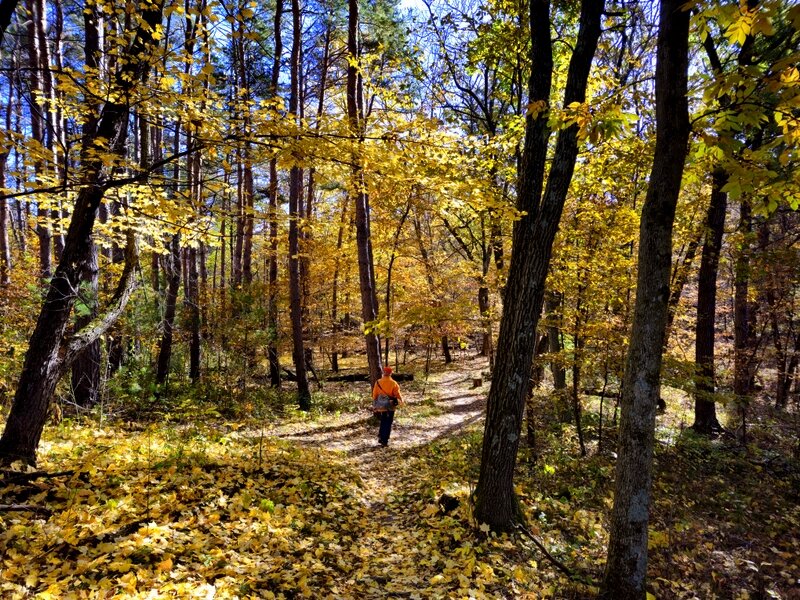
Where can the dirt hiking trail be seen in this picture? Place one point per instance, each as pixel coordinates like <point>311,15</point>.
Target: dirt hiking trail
<point>444,406</point>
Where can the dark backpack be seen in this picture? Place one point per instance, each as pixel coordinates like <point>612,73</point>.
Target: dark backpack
<point>384,402</point>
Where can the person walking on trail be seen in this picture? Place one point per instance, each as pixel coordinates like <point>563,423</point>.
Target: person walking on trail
<point>386,387</point>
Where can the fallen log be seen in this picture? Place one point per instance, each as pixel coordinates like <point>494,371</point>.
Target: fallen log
<point>353,377</point>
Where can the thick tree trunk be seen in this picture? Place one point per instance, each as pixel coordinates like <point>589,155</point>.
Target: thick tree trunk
<point>47,359</point>
<point>295,192</point>
<point>626,568</point>
<point>172,267</point>
<point>355,110</point>
<point>495,501</point>
<point>705,414</point>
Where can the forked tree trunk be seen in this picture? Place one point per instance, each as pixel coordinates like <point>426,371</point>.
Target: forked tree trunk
<point>50,355</point>
<point>705,413</point>
<point>86,368</point>
<point>495,501</point>
<point>626,567</point>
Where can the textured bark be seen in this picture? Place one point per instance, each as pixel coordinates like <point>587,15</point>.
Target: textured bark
<point>47,358</point>
<point>366,269</point>
<point>626,568</point>
<point>495,501</point>
<point>172,268</point>
<point>705,414</point>
<point>295,191</point>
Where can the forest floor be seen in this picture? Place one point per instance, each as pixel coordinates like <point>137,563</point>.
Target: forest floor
<point>299,505</point>
<point>441,407</point>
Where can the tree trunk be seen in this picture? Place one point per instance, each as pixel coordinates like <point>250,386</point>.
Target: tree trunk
<point>680,276</point>
<point>552,306</point>
<point>705,414</point>
<point>392,258</point>
<point>446,350</point>
<point>272,304</point>
<point>5,248</point>
<point>576,381</point>
<point>495,501</point>
<point>248,199</point>
<point>483,309</point>
<point>86,368</point>
<point>7,9</point>
<point>743,357</point>
<point>47,358</point>
<point>193,309</point>
<point>48,115</point>
<point>38,130</point>
<point>172,268</point>
<point>355,110</point>
<point>295,191</point>
<point>335,291</point>
<point>626,567</point>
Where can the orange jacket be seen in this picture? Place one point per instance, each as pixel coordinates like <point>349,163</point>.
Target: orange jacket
<point>387,385</point>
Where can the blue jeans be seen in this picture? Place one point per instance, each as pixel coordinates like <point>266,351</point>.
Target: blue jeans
<point>386,426</point>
